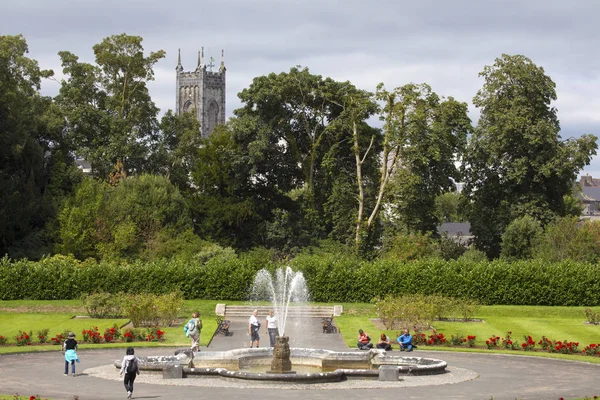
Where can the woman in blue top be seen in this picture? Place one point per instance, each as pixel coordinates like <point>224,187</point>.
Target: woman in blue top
<point>70,352</point>
<point>405,341</point>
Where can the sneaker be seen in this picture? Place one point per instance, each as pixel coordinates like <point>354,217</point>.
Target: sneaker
<point>128,395</point>
<point>66,374</point>
<point>73,374</point>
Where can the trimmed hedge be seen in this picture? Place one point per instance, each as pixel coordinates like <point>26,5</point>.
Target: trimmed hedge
<point>331,278</point>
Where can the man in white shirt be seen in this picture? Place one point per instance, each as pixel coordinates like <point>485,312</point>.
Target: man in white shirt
<point>253,327</point>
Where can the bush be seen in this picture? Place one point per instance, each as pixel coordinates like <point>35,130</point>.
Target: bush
<point>103,304</point>
<point>43,335</point>
<point>592,316</point>
<point>3,340</point>
<point>23,338</point>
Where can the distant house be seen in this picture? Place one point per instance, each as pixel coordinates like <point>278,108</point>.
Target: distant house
<point>84,166</point>
<point>459,231</point>
<point>590,196</point>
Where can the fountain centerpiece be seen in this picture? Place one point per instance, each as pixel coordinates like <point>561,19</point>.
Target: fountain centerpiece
<point>281,289</point>
<point>285,287</point>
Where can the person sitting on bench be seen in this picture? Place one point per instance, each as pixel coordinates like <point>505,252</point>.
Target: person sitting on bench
<point>405,341</point>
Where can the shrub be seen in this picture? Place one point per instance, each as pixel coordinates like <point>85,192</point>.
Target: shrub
<point>564,347</point>
<point>111,334</point>
<point>436,339</point>
<point>591,349</point>
<point>466,308</point>
<point>508,343</point>
<point>492,342</point>
<point>168,307</point>
<point>141,309</point>
<point>133,335</point>
<point>592,316</point>
<point>546,344</point>
<point>103,304</point>
<point>520,237</point>
<point>3,340</point>
<point>23,339</point>
<point>471,341</point>
<point>58,339</point>
<point>528,344</point>
<point>43,335</point>
<point>91,335</point>
<point>155,335</point>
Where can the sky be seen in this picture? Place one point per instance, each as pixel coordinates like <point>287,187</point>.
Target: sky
<point>443,43</point>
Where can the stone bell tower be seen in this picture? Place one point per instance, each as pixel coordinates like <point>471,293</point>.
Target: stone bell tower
<point>202,92</point>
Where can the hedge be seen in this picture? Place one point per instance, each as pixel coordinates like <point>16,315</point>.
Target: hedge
<point>330,278</point>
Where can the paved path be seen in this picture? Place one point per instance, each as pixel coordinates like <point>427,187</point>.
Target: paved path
<point>501,377</point>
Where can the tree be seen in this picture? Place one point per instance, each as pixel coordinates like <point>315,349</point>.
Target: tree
<point>291,134</point>
<point>110,115</point>
<point>31,148</point>
<point>520,238</point>
<point>176,151</point>
<point>428,135</point>
<point>133,219</point>
<point>516,163</point>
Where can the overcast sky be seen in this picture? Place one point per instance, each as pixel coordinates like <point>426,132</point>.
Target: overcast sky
<point>440,42</point>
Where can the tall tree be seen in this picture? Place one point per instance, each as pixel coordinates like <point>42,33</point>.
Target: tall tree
<point>423,136</point>
<point>110,115</point>
<point>30,149</point>
<point>516,163</point>
<point>287,128</point>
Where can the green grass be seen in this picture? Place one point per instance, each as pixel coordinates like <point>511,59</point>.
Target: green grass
<point>556,323</point>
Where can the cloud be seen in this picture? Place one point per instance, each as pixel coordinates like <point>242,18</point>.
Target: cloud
<point>443,43</point>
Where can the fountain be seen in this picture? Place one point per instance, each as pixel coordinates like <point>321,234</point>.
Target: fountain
<point>282,289</point>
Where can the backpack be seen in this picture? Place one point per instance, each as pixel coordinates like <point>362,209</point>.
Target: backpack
<point>190,328</point>
<point>132,367</point>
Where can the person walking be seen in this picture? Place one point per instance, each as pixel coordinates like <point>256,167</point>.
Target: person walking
<point>131,369</point>
<point>192,330</point>
<point>253,328</point>
<point>272,329</point>
<point>69,350</point>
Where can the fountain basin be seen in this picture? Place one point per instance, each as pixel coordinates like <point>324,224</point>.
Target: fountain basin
<point>334,366</point>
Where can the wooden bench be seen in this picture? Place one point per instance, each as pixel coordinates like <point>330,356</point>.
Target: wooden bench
<point>223,326</point>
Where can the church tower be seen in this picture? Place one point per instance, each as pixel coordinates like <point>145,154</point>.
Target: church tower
<point>202,92</point>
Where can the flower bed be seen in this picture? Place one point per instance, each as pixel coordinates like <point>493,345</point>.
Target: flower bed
<point>92,335</point>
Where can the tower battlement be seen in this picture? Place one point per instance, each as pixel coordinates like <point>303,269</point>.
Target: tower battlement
<point>202,92</point>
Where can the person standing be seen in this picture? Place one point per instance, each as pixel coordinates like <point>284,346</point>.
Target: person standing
<point>253,327</point>
<point>272,329</point>
<point>70,352</point>
<point>193,328</point>
<point>131,369</point>
<point>405,341</point>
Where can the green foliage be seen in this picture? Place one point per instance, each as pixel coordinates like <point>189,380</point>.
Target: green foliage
<point>592,316</point>
<point>103,304</point>
<point>409,247</point>
<point>516,163</point>
<point>567,238</point>
<point>520,237</point>
<point>330,278</point>
<point>466,308</point>
<point>111,119</point>
<point>142,217</point>
<point>448,207</point>
<point>473,255</point>
<point>429,134</point>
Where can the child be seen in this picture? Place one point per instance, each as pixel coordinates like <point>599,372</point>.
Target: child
<point>192,330</point>
<point>130,372</point>
<point>70,352</point>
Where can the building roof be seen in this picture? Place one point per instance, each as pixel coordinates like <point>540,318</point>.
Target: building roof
<point>591,192</point>
<point>455,228</point>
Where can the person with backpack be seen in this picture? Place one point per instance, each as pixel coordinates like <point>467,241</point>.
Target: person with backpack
<point>69,350</point>
<point>131,369</point>
<point>192,330</point>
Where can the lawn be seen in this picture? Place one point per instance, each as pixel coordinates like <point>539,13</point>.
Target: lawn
<point>556,323</point>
